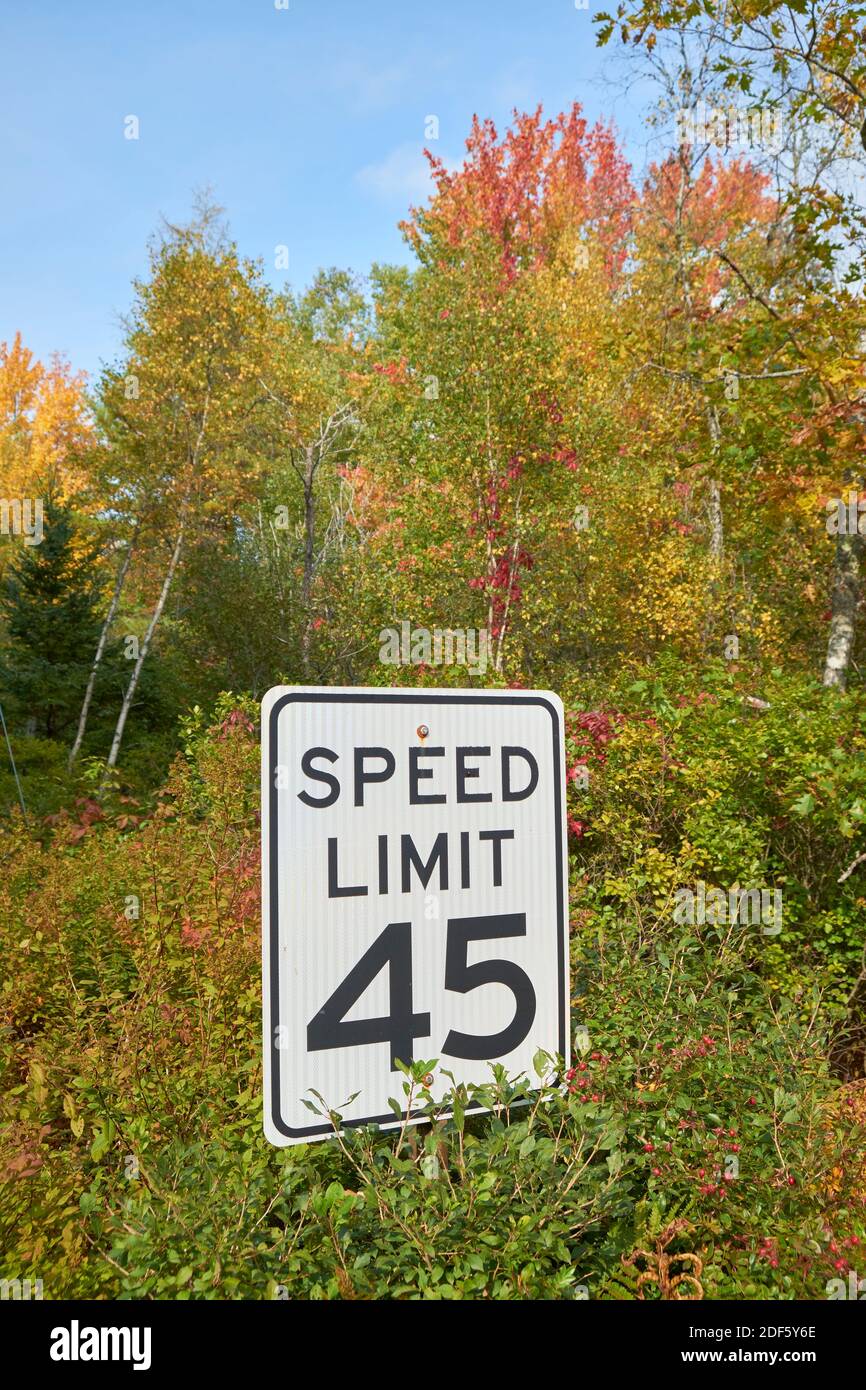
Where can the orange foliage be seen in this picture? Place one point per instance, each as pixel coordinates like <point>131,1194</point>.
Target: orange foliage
<point>44,424</point>
<point>723,201</point>
<point>525,190</point>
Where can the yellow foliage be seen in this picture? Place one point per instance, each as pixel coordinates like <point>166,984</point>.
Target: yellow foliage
<point>44,425</point>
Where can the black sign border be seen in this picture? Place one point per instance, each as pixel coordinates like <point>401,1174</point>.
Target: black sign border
<point>390,697</point>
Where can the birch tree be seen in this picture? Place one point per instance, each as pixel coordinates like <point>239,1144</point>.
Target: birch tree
<point>794,77</point>
<point>177,406</point>
<point>309,422</point>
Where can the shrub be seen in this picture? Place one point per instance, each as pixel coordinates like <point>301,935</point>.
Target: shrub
<point>132,1151</point>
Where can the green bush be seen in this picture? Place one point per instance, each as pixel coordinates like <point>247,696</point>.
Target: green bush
<point>132,1151</point>
<point>692,783</point>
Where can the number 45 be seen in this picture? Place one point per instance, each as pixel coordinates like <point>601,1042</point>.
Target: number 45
<point>393,948</point>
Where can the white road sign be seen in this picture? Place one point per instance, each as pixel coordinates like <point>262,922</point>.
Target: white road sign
<point>414,883</point>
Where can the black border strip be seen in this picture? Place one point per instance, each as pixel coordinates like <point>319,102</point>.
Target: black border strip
<point>327,697</point>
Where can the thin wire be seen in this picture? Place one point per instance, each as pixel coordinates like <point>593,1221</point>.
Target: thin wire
<point>12,761</point>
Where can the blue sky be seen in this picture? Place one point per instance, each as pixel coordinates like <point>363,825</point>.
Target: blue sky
<point>308,124</point>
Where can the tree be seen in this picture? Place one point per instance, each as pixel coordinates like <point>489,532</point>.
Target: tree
<point>309,417</point>
<point>805,64</point>
<point>175,411</point>
<point>507,246</point>
<point>51,606</point>
<point>808,58</point>
<point>101,645</point>
<point>689,320</point>
<point>844,600</point>
<point>45,429</point>
<point>45,424</point>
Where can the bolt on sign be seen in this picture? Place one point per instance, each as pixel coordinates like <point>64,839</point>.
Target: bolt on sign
<point>414,883</point>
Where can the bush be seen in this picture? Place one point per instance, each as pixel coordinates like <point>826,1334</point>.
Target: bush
<point>132,1149</point>
<point>689,785</point>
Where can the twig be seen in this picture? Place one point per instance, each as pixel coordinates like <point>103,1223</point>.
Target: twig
<point>851,867</point>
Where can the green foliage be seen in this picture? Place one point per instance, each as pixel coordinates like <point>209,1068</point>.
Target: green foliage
<point>529,432</point>
<point>43,773</point>
<point>132,1147</point>
<point>689,782</point>
<point>51,612</point>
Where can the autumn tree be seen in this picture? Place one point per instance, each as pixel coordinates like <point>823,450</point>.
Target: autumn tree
<point>45,427</point>
<point>807,59</point>
<point>309,415</point>
<point>805,66</point>
<point>481,363</point>
<point>175,409</point>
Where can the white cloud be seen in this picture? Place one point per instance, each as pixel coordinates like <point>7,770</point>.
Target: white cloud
<point>403,175</point>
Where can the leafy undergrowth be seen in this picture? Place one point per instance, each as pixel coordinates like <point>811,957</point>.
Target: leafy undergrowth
<point>699,1146</point>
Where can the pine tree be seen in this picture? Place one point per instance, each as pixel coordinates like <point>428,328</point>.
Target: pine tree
<point>52,626</point>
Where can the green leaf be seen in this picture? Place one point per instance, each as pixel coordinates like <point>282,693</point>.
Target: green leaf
<point>99,1146</point>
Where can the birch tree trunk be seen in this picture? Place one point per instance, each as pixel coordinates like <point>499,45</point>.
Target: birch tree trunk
<point>100,649</point>
<point>143,650</point>
<point>843,609</point>
<point>497,664</point>
<point>714,515</point>
<point>714,498</point>
<point>309,478</point>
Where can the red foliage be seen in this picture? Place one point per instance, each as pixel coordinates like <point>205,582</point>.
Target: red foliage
<point>396,372</point>
<point>590,731</point>
<point>723,200</point>
<point>524,190</point>
<point>235,722</point>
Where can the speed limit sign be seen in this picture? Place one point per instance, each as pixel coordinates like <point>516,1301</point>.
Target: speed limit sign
<point>414,887</point>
